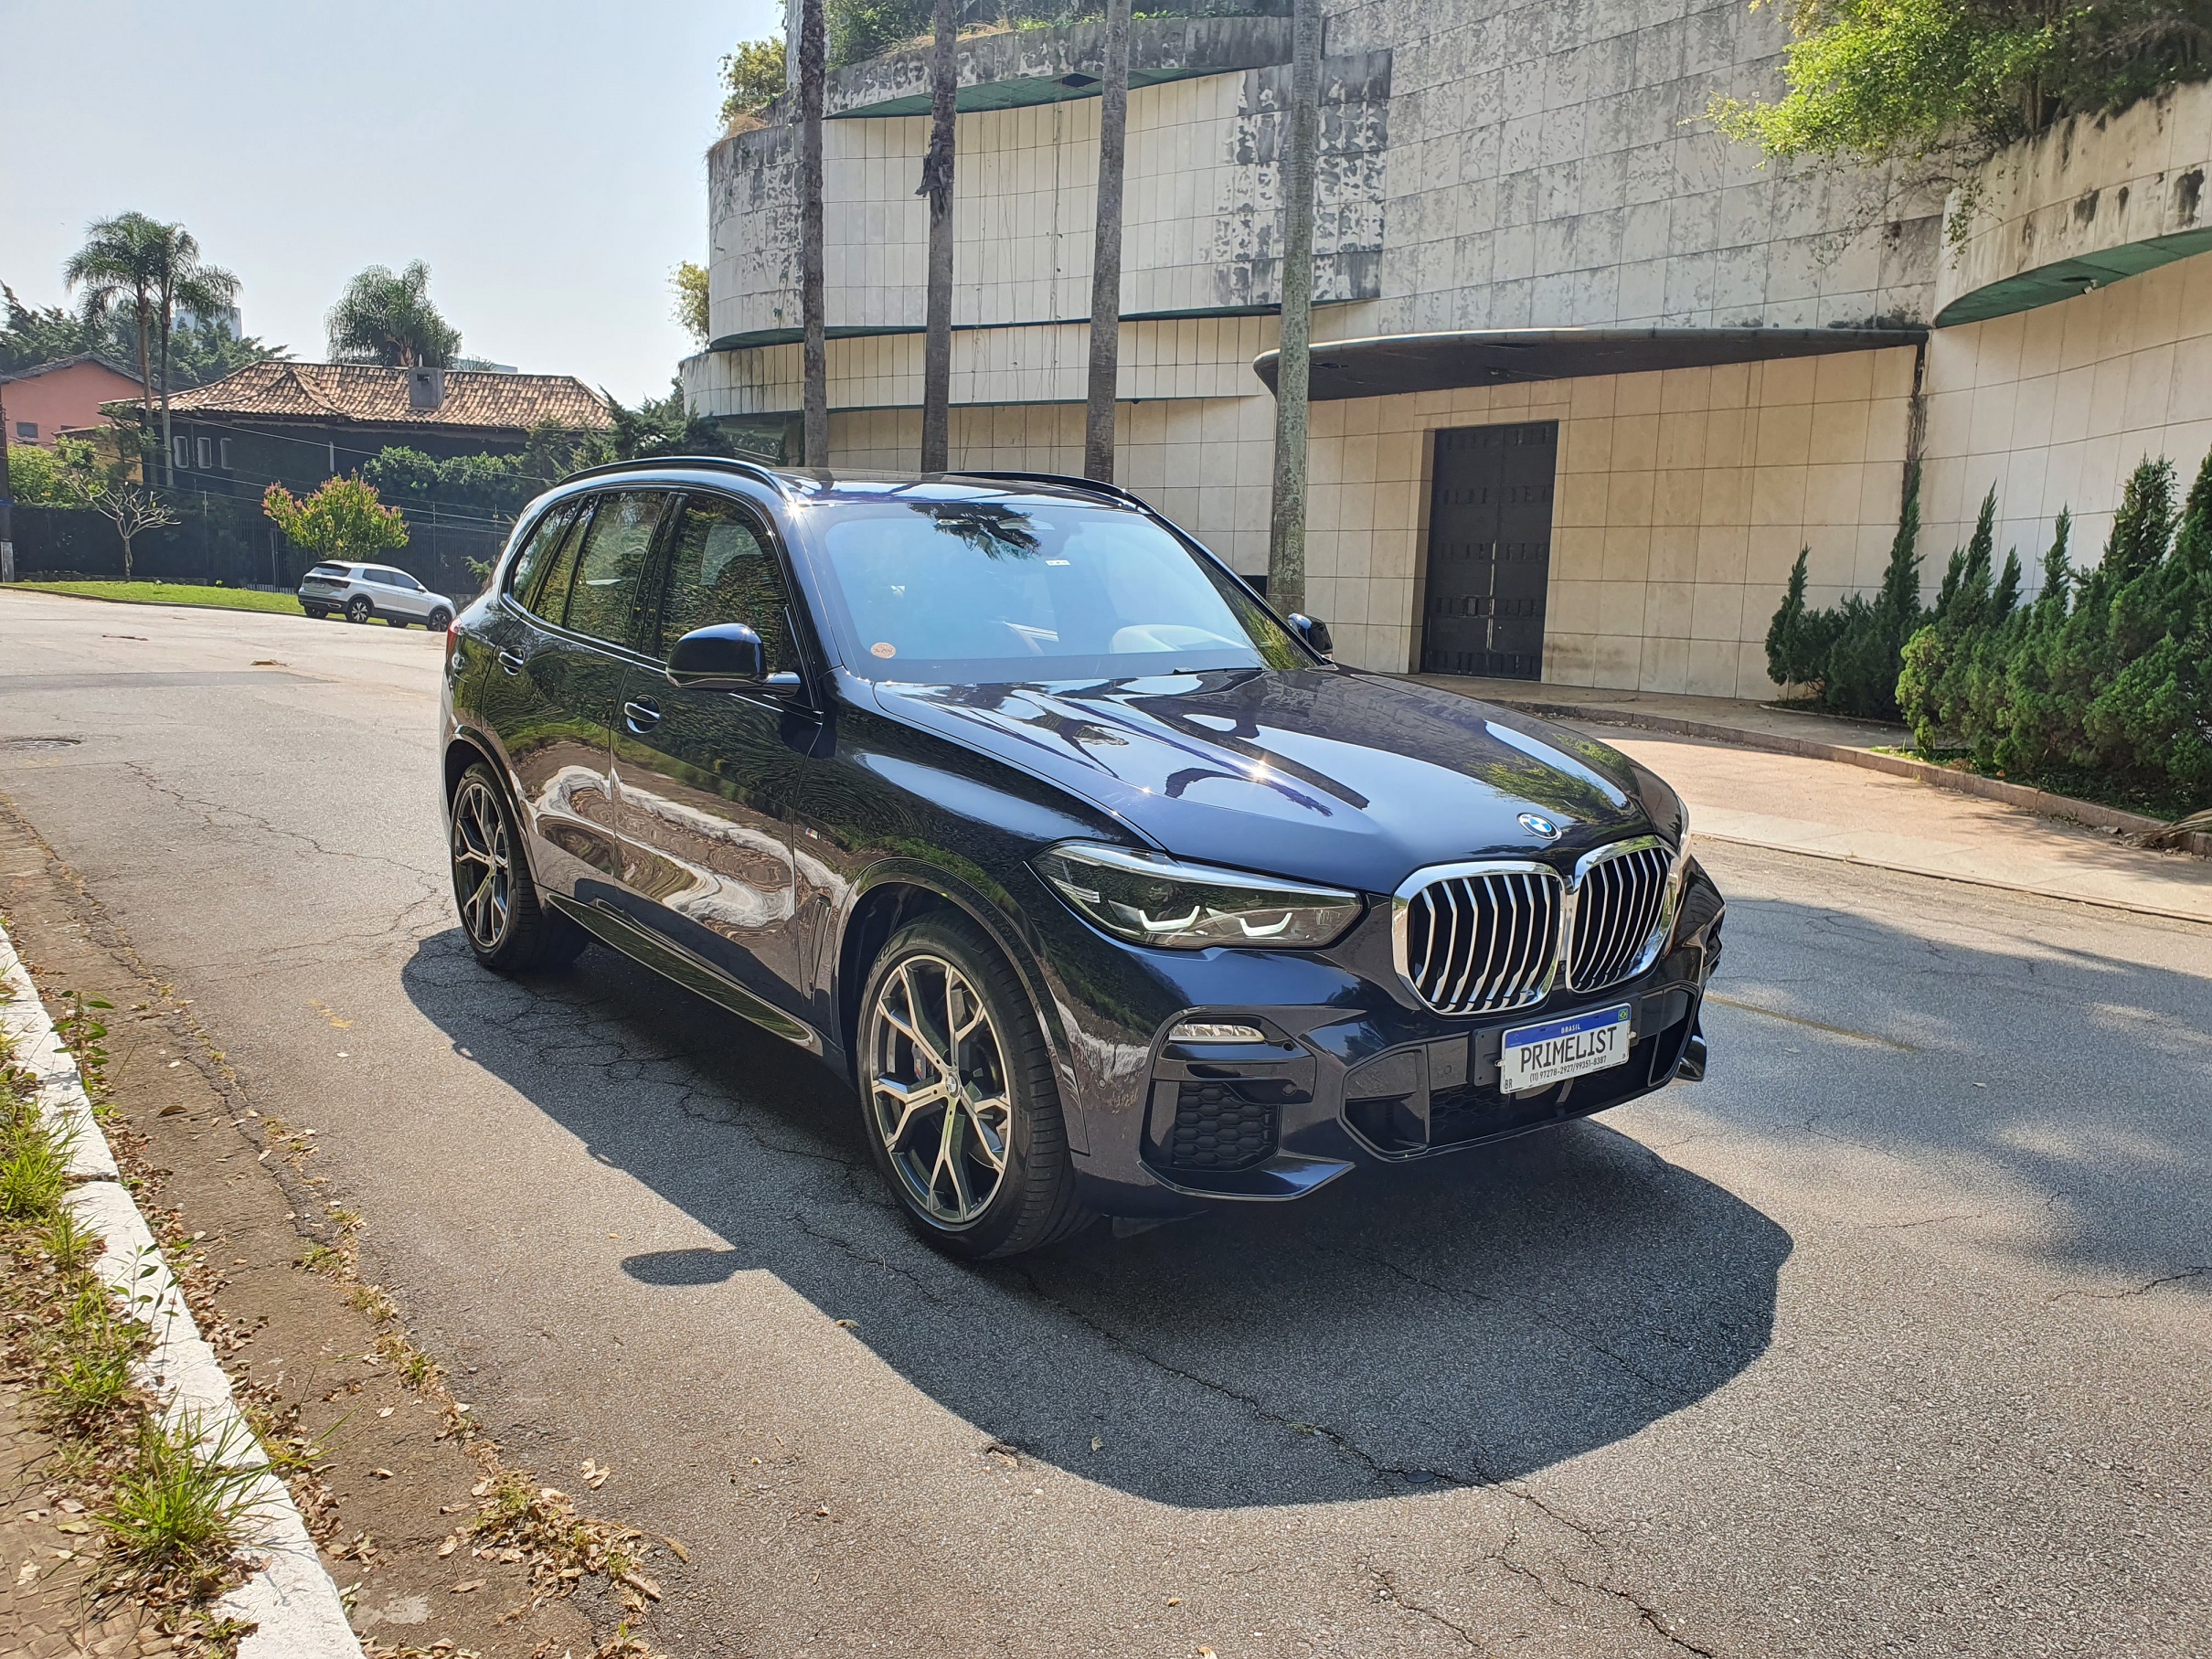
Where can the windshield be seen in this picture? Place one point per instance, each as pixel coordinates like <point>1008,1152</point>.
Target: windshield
<point>971,592</point>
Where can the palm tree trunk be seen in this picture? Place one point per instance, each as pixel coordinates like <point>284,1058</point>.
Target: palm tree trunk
<point>1106,250</point>
<point>812,73</point>
<point>1286,514</point>
<point>168,447</point>
<point>145,379</point>
<point>936,184</point>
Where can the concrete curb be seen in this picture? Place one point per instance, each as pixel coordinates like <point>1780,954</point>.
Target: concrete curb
<point>2040,802</point>
<point>291,1598</point>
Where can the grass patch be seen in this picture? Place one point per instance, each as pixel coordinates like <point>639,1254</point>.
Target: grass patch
<point>89,1358</point>
<point>175,1516</point>
<point>34,1160</point>
<point>168,1511</point>
<point>173,593</point>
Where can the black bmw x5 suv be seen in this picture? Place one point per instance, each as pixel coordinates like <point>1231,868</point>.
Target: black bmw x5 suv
<point>1105,888</point>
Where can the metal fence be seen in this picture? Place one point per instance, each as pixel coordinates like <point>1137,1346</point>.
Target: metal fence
<point>223,539</point>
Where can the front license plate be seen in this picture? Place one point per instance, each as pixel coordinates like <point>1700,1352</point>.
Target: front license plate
<point>1537,1056</point>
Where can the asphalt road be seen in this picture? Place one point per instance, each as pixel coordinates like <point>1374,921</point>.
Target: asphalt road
<point>1890,1338</point>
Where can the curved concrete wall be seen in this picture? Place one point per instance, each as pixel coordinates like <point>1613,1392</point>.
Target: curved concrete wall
<point>2092,200</point>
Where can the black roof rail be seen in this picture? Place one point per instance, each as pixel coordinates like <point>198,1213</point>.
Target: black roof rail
<point>755,470</point>
<point>1065,481</point>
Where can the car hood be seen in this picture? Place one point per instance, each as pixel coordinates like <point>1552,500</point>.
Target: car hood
<point>1326,775</point>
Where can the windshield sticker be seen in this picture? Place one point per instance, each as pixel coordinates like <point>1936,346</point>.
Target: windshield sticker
<point>884,648</point>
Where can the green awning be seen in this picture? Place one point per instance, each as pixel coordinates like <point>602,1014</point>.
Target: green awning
<point>2047,284</point>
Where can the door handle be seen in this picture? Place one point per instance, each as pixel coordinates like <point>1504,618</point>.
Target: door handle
<point>643,715</point>
<point>510,662</point>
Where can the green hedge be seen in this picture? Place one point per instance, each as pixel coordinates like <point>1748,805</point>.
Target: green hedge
<point>1849,657</point>
<point>2105,672</point>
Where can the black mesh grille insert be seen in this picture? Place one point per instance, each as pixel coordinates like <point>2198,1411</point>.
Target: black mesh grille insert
<point>1217,1128</point>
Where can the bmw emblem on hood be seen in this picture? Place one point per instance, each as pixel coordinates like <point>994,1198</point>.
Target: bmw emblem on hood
<point>1536,823</point>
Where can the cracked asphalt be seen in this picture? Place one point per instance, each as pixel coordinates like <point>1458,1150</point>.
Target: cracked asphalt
<point>1890,1338</point>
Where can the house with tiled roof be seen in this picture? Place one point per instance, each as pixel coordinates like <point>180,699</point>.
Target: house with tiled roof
<point>299,423</point>
<point>44,401</point>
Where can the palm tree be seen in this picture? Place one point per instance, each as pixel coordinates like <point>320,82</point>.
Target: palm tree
<point>119,267</point>
<point>1106,250</point>
<point>156,269</point>
<point>814,72</point>
<point>936,184</point>
<point>382,318</point>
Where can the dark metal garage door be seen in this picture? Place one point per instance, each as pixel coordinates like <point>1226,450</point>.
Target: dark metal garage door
<point>1490,551</point>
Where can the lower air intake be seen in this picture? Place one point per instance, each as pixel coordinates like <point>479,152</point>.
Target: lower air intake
<point>1217,1128</point>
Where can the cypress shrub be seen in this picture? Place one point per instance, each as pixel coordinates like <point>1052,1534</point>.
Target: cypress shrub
<point>1851,656</point>
<point>2107,671</point>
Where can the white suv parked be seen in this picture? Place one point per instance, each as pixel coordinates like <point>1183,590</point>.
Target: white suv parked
<point>360,591</point>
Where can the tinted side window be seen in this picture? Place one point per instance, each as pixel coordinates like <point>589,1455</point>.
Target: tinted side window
<point>721,570</point>
<point>536,554</point>
<point>602,601</point>
<point>549,597</point>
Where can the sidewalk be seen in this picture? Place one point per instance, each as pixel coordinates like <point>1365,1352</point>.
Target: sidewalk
<point>1769,778</point>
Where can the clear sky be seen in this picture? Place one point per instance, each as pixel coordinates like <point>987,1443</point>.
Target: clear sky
<point>546,159</point>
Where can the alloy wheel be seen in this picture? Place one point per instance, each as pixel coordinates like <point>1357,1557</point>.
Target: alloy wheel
<point>936,1089</point>
<point>483,866</point>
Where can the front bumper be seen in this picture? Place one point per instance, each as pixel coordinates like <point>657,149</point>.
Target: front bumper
<point>1356,1071</point>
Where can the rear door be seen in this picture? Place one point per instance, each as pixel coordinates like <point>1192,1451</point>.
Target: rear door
<point>559,674</point>
<point>401,594</point>
<point>704,779</point>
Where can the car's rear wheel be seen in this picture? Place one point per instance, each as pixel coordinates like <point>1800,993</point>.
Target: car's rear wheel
<point>958,1096</point>
<point>318,612</point>
<point>439,619</point>
<point>508,928</point>
<point>358,609</point>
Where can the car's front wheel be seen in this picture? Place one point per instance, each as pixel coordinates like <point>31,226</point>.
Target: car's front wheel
<point>438,621</point>
<point>358,609</point>
<point>509,928</point>
<point>958,1099</point>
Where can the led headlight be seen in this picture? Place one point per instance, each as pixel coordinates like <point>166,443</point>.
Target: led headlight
<point>1153,900</point>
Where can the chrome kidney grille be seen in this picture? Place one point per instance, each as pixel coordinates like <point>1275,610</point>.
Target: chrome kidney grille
<point>1483,941</point>
<point>1618,904</point>
<point>1486,938</point>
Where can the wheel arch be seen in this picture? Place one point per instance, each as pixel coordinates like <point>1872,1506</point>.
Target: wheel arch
<point>463,750</point>
<point>888,896</point>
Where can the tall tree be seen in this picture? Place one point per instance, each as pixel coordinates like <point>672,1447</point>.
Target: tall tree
<point>1106,250</point>
<point>688,281</point>
<point>119,269</point>
<point>388,319</point>
<point>1286,515</point>
<point>158,269</point>
<point>936,184</point>
<point>814,72</point>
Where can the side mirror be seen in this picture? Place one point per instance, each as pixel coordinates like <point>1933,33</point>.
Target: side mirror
<point>727,656</point>
<point>1313,631</point>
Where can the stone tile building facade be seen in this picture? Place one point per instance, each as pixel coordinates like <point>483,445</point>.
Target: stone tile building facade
<point>1523,230</point>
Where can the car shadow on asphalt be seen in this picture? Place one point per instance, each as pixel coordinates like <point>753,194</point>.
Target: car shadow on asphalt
<point>1468,1320</point>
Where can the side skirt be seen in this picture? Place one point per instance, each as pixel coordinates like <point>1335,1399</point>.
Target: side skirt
<point>673,962</point>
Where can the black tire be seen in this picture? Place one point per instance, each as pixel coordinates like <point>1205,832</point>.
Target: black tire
<point>318,612</point>
<point>508,928</point>
<point>1034,1202</point>
<point>439,619</point>
<point>359,610</point>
